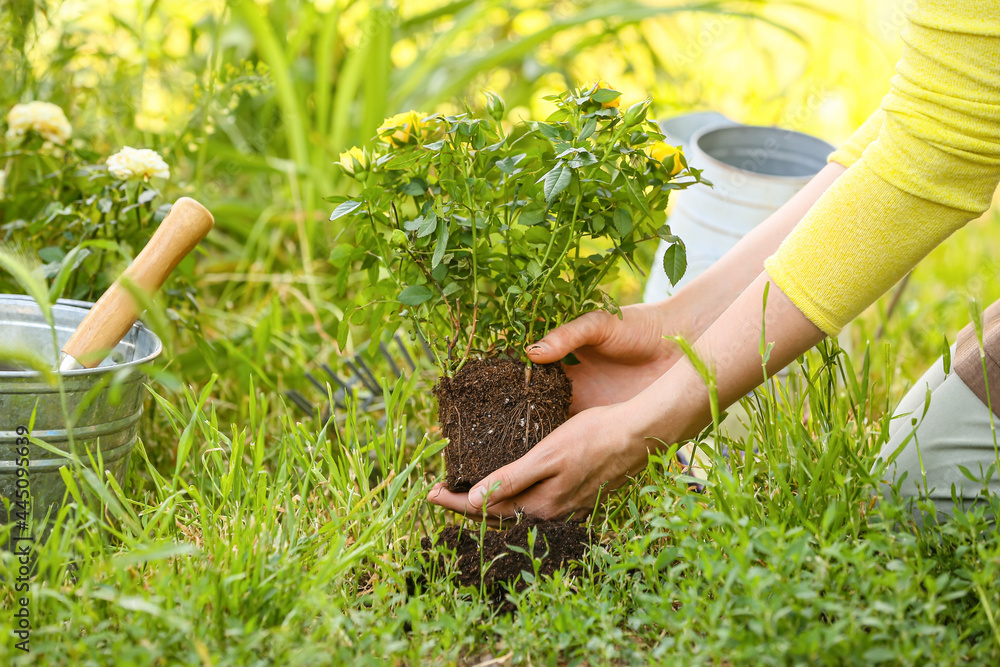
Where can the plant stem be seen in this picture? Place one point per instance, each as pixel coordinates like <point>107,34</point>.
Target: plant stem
<point>382,253</point>
<point>555,265</point>
<point>600,275</point>
<point>472,333</point>
<point>475,271</point>
<point>423,268</point>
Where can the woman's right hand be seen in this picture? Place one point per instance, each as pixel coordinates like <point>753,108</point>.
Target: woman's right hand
<point>618,357</point>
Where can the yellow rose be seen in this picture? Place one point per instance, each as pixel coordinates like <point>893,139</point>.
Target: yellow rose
<point>354,160</point>
<point>604,85</point>
<point>661,152</point>
<point>44,118</point>
<point>402,129</point>
<point>138,164</point>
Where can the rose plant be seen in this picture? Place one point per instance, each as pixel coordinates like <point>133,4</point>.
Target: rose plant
<point>484,238</point>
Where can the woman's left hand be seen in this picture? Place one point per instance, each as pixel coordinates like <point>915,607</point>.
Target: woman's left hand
<point>562,475</point>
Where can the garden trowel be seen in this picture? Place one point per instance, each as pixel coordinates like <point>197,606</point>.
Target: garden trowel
<point>116,311</point>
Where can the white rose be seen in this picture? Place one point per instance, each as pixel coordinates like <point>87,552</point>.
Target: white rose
<point>144,163</point>
<point>46,119</point>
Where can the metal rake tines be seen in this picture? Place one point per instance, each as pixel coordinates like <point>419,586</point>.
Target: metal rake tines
<point>361,383</point>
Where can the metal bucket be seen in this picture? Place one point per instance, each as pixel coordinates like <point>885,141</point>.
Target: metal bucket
<point>754,170</point>
<point>102,405</point>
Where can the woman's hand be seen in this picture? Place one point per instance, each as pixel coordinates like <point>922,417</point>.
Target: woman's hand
<point>602,446</point>
<point>618,357</point>
<point>563,474</point>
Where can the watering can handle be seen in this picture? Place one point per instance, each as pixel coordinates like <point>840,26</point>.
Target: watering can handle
<point>116,311</point>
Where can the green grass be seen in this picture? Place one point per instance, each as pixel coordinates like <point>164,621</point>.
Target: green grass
<point>271,542</point>
<point>249,533</point>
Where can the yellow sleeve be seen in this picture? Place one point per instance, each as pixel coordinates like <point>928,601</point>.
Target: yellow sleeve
<point>852,149</point>
<point>933,167</point>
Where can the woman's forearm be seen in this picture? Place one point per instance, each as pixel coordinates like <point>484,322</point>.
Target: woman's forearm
<point>677,407</point>
<point>706,297</point>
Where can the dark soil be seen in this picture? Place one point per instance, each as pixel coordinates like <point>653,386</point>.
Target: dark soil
<point>492,417</point>
<point>556,543</point>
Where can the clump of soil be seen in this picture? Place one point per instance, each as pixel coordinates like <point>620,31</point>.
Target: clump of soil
<point>557,543</point>
<point>492,416</point>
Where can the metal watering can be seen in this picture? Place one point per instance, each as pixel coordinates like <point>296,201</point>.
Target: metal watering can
<point>754,170</point>
<point>99,353</point>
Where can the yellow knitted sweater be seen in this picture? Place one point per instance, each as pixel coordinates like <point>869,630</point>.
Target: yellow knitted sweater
<point>920,168</point>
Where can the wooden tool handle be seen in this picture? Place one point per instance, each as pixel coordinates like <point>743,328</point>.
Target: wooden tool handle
<point>116,311</point>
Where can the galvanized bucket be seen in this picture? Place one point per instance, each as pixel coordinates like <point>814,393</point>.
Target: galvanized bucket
<point>754,170</point>
<point>99,407</point>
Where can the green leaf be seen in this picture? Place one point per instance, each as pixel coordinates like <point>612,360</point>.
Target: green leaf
<point>946,355</point>
<point>507,164</point>
<point>675,262</point>
<point>558,116</point>
<point>531,215</point>
<point>637,199</point>
<point>51,254</point>
<point>343,329</point>
<point>415,187</point>
<point>147,196</point>
<point>556,181</point>
<point>608,304</point>
<point>341,255</point>
<point>588,128</point>
<point>402,161</point>
<point>664,233</point>
<point>534,269</point>
<point>623,221</point>
<point>553,132</point>
<point>605,95</point>
<point>442,243</point>
<point>346,208</point>
<point>538,236</point>
<point>583,159</point>
<point>428,223</point>
<point>414,295</point>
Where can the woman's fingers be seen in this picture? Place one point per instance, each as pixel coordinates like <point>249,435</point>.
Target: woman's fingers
<point>507,482</point>
<point>459,503</point>
<point>589,329</point>
<point>498,491</point>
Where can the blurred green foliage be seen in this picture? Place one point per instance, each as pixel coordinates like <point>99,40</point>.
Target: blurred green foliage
<point>252,102</point>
